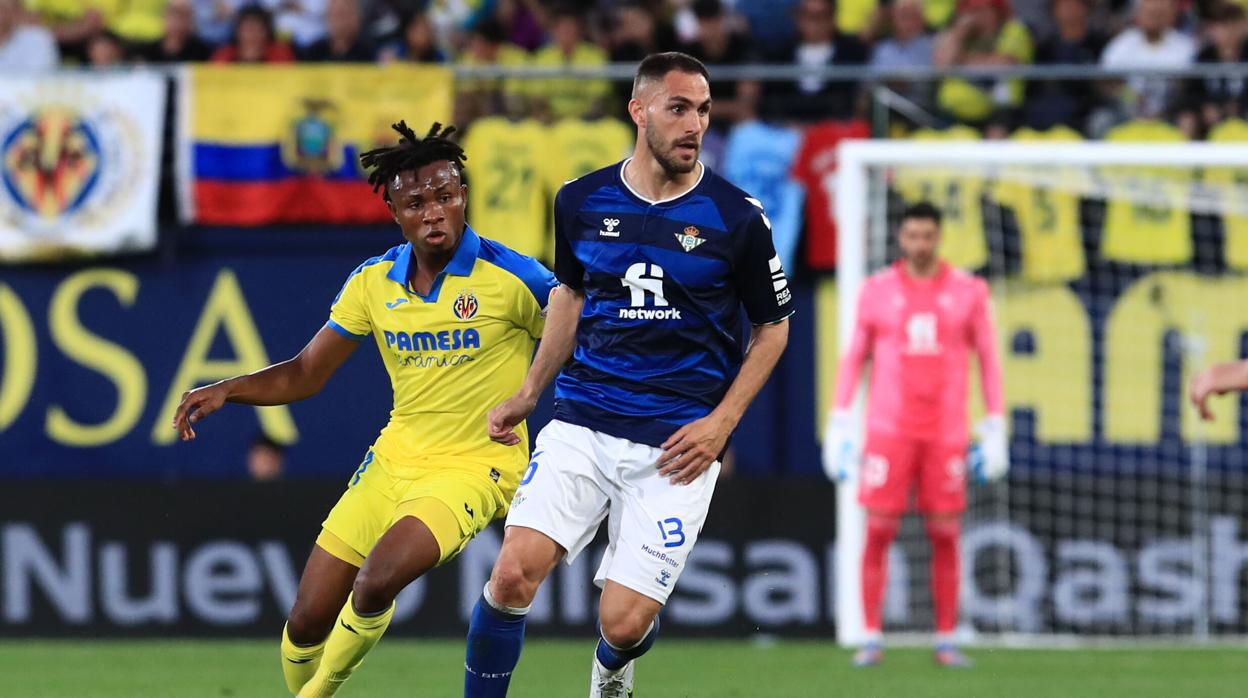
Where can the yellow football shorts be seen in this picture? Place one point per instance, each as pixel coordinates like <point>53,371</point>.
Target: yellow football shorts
<point>455,504</point>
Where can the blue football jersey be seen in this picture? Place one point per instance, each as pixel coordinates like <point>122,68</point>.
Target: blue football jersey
<point>662,333</point>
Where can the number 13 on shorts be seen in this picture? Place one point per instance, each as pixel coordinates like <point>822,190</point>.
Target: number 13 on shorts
<point>673,532</point>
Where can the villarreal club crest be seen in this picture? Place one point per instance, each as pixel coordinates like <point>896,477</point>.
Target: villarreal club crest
<point>51,162</point>
<point>466,305</point>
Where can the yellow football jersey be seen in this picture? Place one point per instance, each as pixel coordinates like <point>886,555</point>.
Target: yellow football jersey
<point>957,194</point>
<point>452,355</point>
<point>569,97</point>
<point>578,147</point>
<point>1047,212</point>
<point>505,189</point>
<point>1230,184</point>
<point>975,100</point>
<point>1146,218</point>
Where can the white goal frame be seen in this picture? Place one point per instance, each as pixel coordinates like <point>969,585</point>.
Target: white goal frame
<point>852,210</point>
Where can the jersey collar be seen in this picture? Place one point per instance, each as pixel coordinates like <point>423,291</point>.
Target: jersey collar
<point>942,269</point>
<point>619,173</point>
<point>461,264</point>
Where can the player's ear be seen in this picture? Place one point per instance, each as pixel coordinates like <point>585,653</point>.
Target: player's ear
<point>394,213</point>
<point>637,111</point>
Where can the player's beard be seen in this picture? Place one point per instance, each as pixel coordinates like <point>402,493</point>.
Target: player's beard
<point>667,157</point>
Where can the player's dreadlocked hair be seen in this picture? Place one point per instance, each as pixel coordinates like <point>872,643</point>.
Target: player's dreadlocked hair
<point>410,153</point>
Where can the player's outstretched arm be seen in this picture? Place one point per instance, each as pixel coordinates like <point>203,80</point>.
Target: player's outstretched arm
<point>1216,380</point>
<point>694,447</point>
<point>289,381</point>
<point>558,340</point>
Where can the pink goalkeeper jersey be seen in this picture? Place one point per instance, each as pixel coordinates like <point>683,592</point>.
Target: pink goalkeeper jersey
<point>917,333</point>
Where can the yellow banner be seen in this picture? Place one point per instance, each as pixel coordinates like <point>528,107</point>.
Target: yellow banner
<point>255,105</point>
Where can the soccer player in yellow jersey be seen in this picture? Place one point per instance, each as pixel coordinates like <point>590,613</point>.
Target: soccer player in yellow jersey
<point>455,317</point>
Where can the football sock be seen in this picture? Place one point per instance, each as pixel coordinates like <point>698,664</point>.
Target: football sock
<point>943,535</point>
<point>352,637</point>
<point>881,530</point>
<point>299,663</point>
<point>615,658</point>
<point>495,638</point>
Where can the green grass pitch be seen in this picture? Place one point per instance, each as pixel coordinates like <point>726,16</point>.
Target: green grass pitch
<point>676,669</point>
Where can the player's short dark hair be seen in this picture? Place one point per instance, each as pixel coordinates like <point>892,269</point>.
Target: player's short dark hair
<point>411,153</point>
<point>922,209</point>
<point>657,65</point>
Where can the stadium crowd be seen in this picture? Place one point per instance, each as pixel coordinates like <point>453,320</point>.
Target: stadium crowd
<point>37,34</point>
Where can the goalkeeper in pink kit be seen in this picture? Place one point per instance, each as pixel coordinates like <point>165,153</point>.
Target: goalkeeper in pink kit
<point>916,322</point>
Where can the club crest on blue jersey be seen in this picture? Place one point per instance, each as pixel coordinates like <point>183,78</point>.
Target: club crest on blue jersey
<point>466,305</point>
<point>689,239</point>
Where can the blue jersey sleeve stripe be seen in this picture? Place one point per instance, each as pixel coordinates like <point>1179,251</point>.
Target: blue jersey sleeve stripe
<point>531,273</point>
<point>345,332</point>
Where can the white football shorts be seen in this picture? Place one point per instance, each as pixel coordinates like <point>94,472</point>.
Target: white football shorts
<point>578,476</point>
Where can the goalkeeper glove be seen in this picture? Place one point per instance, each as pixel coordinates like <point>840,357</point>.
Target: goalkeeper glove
<point>990,457</point>
<point>840,446</point>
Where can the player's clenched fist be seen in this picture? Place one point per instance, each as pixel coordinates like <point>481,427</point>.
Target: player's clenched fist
<point>197,404</point>
<point>504,418</point>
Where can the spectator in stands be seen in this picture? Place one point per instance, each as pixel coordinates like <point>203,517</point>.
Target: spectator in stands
<point>1152,42</point>
<point>254,40</point>
<point>819,45</point>
<point>716,43</point>
<point>304,21</point>
<point>771,25</point>
<point>633,32</point>
<point>521,21</point>
<point>24,47</point>
<point>909,45</point>
<point>477,97</point>
<point>1073,42</point>
<point>106,50</point>
<point>415,42</point>
<point>982,35</point>
<point>179,44</point>
<point>72,25</point>
<point>266,459</point>
<point>343,41</point>
<point>562,98</point>
<point>1211,100</point>
<point>214,20</point>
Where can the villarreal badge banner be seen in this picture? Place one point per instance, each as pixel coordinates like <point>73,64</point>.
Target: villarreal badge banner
<point>79,164</point>
<point>281,144</point>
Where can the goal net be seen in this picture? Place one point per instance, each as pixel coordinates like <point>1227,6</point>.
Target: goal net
<point>1117,269</point>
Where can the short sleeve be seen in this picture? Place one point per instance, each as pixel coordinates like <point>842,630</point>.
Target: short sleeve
<point>534,296</point>
<point>758,274</point>
<point>348,315</point>
<point>568,269</point>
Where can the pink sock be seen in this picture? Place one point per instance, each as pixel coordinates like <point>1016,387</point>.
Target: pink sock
<point>943,535</point>
<point>881,530</point>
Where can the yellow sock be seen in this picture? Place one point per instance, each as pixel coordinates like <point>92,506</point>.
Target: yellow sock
<point>299,663</point>
<point>352,637</point>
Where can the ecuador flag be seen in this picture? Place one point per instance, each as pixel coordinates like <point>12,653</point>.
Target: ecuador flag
<point>280,144</point>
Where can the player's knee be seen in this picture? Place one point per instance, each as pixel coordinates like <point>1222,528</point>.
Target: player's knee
<point>306,626</point>
<point>943,530</point>
<point>372,593</point>
<point>883,528</point>
<point>512,585</point>
<point>624,627</point>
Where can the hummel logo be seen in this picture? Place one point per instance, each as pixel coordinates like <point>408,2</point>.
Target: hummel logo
<point>396,303</point>
<point>611,224</point>
<point>305,660</point>
<point>344,624</point>
<point>468,509</point>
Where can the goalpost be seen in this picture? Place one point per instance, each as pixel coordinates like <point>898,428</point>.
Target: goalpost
<point>1117,269</point>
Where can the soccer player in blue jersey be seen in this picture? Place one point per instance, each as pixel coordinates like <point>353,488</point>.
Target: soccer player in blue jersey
<point>655,256</point>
